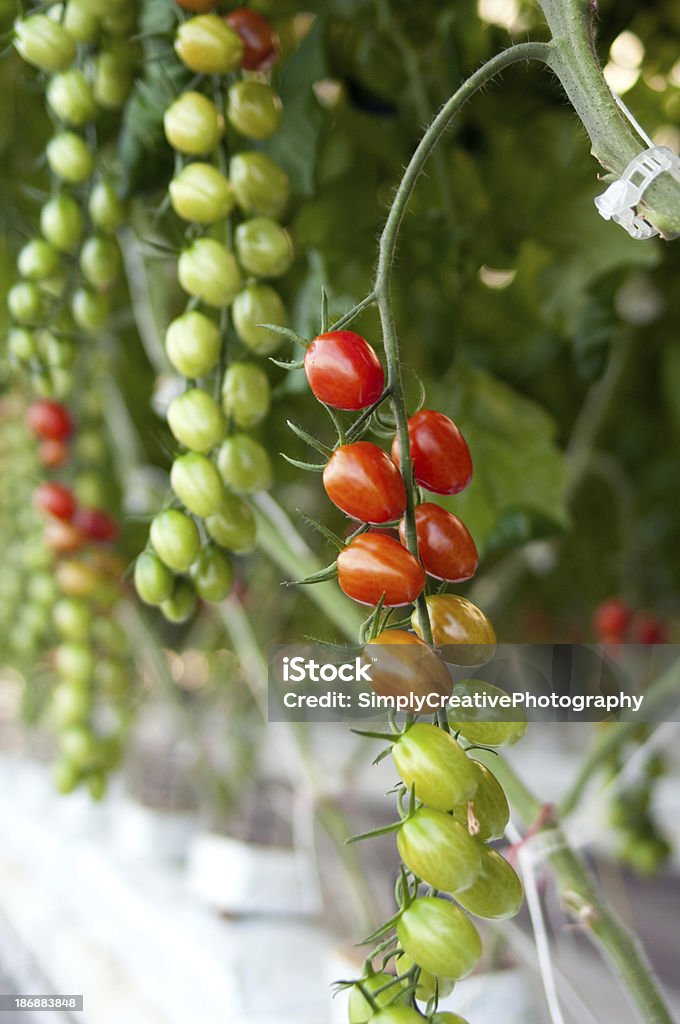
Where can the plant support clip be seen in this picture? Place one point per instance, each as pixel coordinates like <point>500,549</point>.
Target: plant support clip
<point>619,202</point>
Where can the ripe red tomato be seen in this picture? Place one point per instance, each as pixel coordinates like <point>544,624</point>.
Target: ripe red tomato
<point>97,525</point>
<point>50,420</point>
<point>648,629</point>
<point>343,370</point>
<point>260,42</point>
<point>439,453</point>
<point>364,483</point>
<point>445,546</point>
<point>198,5</point>
<point>373,565</point>
<point>52,453</point>
<point>54,500</point>
<point>612,618</point>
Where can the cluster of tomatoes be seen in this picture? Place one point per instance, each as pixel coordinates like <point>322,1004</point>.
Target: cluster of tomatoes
<point>616,622</point>
<point>220,198</point>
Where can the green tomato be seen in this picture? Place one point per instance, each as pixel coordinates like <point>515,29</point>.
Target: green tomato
<point>181,604</point>
<point>208,45</point>
<point>72,618</point>
<point>61,222</point>
<point>74,661</point>
<point>153,580</point>
<point>79,21</point>
<point>448,1018</point>
<point>359,1009</point>
<point>254,109</point>
<point>245,394</point>
<point>201,193</point>
<point>42,590</point>
<point>192,124</point>
<point>489,806</point>
<point>263,247</point>
<point>91,490</point>
<point>193,344</point>
<point>65,775</point>
<point>175,539</point>
<point>107,210</point>
<point>90,309</point>
<point>197,483</point>
<point>24,302</point>
<point>22,344</point>
<point>44,43</point>
<point>97,785</point>
<point>69,96</point>
<point>259,304</point>
<point>209,271</point>
<point>100,261</point>
<point>79,746</point>
<point>109,633</point>
<point>113,78</point>
<point>112,678</point>
<point>428,984</point>
<point>497,893</point>
<point>438,850</point>
<point>489,727</point>
<point>70,704</point>
<point>69,158</point>
<point>244,464</point>
<point>196,420</point>
<point>212,574</point>
<point>431,760</point>
<point>56,352</point>
<point>259,184</point>
<point>38,260</point>
<point>233,527</point>
<point>397,1015</point>
<point>439,937</point>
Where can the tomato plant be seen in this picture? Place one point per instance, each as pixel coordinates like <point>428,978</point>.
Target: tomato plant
<point>374,567</point>
<point>364,483</point>
<point>344,371</point>
<point>441,457</point>
<point>445,546</point>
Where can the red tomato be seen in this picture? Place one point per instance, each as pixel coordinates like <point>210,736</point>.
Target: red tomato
<point>55,500</point>
<point>373,565</point>
<point>52,453</point>
<point>97,525</point>
<point>62,537</point>
<point>343,370</point>
<point>50,420</point>
<point>445,546</point>
<point>612,618</point>
<point>364,483</point>
<point>439,453</point>
<point>198,5</point>
<point>648,629</point>
<point>260,42</point>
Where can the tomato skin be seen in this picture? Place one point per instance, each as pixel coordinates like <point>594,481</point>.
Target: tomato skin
<point>489,806</point>
<point>212,574</point>
<point>69,96</point>
<point>97,525</point>
<point>72,618</point>
<point>80,23</point>
<point>397,1015</point>
<point>254,109</point>
<point>201,193</point>
<point>259,304</point>
<point>448,1018</point>
<point>77,579</point>
<point>208,45</point>
<point>445,546</point>
<point>364,483</point>
<point>196,420</point>
<point>648,629</point>
<point>261,187</point>
<point>344,371</point>
<point>192,124</point>
<point>106,208</point>
<point>175,539</point>
<point>90,309</point>
<point>244,464</point>
<point>24,302</point>
<point>233,525</point>
<point>440,937</point>
<point>44,43</point>
<point>428,983</point>
<point>54,500</point>
<point>359,1010</point>
<point>38,260</point>
<point>50,420</point>
<point>460,629</point>
<point>260,42</point>
<point>200,6</point>
<point>245,394</point>
<point>100,261</point>
<point>113,78</point>
<point>373,565</point>
<point>439,453</point>
<point>69,158</point>
<point>154,582</point>
<point>263,247</point>
<point>209,271</point>
<point>430,759</point>
<point>403,664</point>
<point>181,604</point>
<point>497,893</point>
<point>197,484</point>
<point>192,344</point>
<point>53,454</point>
<point>74,661</point>
<point>438,850</point>
<point>499,727</point>
<point>62,537</point>
<point>61,222</point>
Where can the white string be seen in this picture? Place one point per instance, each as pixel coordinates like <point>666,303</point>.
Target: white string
<point>633,120</point>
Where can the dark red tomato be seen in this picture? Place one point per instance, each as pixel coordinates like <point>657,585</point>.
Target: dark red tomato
<point>97,525</point>
<point>445,546</point>
<point>374,565</point>
<point>52,453</point>
<point>55,500</point>
<point>439,453</point>
<point>260,42</point>
<point>343,370</point>
<point>364,483</point>
<point>648,629</point>
<point>50,420</point>
<point>611,618</point>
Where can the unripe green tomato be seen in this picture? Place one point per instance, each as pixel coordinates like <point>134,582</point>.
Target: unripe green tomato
<point>113,79</point>
<point>90,446</point>
<point>175,539</point>
<point>181,604</point>
<point>193,344</point>
<point>233,527</point>
<point>448,1018</point>
<point>438,850</point>
<point>259,184</point>
<point>259,304</point>
<point>97,785</point>
<point>245,394</point>
<point>65,776</point>
<point>61,222</point>
<point>100,261</point>
<point>80,22</point>
<point>500,727</point>
<point>72,617</point>
<point>430,759</point>
<point>38,260</point>
<point>120,22</point>
<point>254,109</point>
<point>153,580</point>
<point>263,247</point>
<point>192,124</point>
<point>69,158</point>
<point>212,574</point>
<point>197,484</point>
<point>74,661</point>
<point>201,193</point>
<point>438,936</point>
<point>71,703</point>
<point>69,96</point>
<point>208,45</point>
<point>91,490</point>
<point>24,302</point>
<point>56,352</point>
<point>359,1010</point>
<point>397,1015</point>
<point>428,984</point>
<point>489,806</point>
<point>498,892</point>
<point>244,464</point>
<point>22,344</point>
<point>209,271</point>
<point>79,746</point>
<point>106,208</point>
<point>90,309</point>
<point>196,420</point>
<point>44,43</point>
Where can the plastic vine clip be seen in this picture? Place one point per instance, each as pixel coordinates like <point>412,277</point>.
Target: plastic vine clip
<point>619,202</point>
